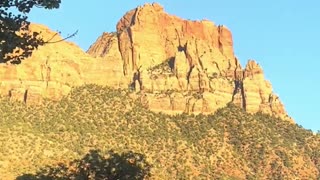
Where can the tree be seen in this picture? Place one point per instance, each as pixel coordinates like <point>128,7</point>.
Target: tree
<point>16,42</point>
<point>94,165</point>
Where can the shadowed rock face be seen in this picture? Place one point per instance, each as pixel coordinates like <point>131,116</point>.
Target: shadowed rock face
<point>178,65</point>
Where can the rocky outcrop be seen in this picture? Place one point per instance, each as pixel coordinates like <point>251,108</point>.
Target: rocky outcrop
<point>148,36</point>
<point>53,69</point>
<point>175,65</point>
<point>186,66</point>
<point>254,93</point>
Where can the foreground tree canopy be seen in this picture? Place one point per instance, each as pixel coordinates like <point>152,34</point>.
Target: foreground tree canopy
<point>16,42</point>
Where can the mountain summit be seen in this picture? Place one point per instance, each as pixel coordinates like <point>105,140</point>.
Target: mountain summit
<point>183,65</point>
<point>171,65</point>
<point>100,118</point>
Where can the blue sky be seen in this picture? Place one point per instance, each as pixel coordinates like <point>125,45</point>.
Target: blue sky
<point>283,36</point>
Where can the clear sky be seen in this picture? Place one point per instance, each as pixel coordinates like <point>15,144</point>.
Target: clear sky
<point>283,36</point>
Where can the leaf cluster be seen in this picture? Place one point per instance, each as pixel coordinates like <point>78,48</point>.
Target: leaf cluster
<point>16,42</point>
<point>97,165</point>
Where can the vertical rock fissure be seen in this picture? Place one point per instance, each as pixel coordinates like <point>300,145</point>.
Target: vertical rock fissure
<point>132,49</point>
<point>107,47</point>
<point>134,17</point>
<point>239,88</point>
<point>200,63</point>
<point>180,47</point>
<point>189,74</point>
<point>137,79</point>
<point>25,96</point>
<point>124,65</point>
<point>219,39</point>
<point>128,32</point>
<point>236,89</point>
<point>199,57</point>
<point>243,95</point>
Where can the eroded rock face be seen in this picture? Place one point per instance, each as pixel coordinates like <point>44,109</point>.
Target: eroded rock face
<point>148,36</point>
<point>54,68</point>
<point>258,91</point>
<point>176,65</point>
<point>187,66</point>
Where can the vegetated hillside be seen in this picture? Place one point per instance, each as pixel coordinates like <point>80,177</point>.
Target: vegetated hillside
<point>231,144</point>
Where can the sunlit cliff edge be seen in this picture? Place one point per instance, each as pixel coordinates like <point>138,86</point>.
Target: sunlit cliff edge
<point>171,65</point>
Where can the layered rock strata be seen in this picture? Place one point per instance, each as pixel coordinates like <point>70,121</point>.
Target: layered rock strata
<point>173,65</point>
<point>185,66</point>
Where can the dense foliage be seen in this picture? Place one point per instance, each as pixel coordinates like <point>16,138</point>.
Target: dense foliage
<point>230,144</point>
<point>93,165</point>
<point>16,42</point>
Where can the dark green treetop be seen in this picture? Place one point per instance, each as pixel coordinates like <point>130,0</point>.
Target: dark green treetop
<point>16,42</point>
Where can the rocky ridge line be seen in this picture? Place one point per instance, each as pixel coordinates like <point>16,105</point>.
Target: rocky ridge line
<point>173,65</point>
<point>185,66</point>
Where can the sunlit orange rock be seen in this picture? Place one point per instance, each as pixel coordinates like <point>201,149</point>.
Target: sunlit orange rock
<point>177,65</point>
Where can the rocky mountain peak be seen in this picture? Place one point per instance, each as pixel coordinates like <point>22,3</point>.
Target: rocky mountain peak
<point>172,65</point>
<point>148,36</point>
<point>190,63</point>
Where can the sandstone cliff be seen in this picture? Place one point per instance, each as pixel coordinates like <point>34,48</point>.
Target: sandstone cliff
<point>53,69</point>
<point>185,66</point>
<point>173,65</point>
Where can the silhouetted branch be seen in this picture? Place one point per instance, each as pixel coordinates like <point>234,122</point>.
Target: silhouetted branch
<point>68,37</point>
